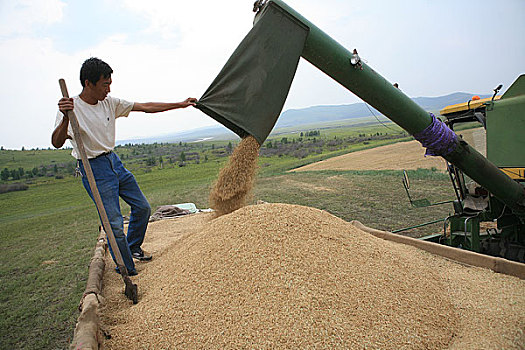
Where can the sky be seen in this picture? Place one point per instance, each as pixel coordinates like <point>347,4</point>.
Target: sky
<point>168,50</point>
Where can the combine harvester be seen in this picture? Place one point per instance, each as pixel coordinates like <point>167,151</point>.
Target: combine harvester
<point>503,119</point>
<point>248,94</point>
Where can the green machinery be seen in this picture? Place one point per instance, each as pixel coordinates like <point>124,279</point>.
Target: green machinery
<point>503,121</point>
<point>250,84</point>
<point>497,192</point>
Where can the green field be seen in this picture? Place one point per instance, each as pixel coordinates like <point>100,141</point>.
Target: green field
<point>49,230</point>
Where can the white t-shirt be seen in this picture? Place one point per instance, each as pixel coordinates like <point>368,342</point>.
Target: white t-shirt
<point>97,124</point>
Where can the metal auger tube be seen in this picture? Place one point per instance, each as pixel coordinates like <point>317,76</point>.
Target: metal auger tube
<point>349,70</point>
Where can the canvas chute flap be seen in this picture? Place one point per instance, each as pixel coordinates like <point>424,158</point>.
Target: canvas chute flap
<point>249,93</point>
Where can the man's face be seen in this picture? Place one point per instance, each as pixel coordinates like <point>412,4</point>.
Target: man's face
<point>101,89</point>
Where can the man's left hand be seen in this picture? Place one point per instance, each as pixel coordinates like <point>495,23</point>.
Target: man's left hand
<point>190,101</point>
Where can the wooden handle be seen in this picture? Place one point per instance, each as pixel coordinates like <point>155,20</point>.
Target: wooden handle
<point>63,88</point>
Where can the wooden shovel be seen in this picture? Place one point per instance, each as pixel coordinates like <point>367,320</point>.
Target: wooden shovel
<point>131,288</point>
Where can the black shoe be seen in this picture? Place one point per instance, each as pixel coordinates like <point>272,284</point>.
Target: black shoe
<point>140,255</point>
<point>130,273</point>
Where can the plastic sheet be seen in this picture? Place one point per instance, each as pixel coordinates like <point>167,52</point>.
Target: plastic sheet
<point>437,138</point>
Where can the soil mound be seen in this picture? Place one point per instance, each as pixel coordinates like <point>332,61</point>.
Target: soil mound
<point>287,276</point>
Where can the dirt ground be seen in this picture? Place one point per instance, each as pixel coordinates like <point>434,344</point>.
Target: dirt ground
<point>398,156</point>
<point>188,299</point>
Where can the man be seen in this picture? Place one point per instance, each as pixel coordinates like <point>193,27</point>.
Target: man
<point>96,113</point>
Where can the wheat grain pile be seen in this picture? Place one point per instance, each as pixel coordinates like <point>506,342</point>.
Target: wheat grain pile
<point>236,178</point>
<point>287,276</point>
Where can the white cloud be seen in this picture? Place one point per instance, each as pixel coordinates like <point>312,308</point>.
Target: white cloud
<point>185,44</point>
<point>29,90</point>
<point>22,16</point>
<point>193,23</point>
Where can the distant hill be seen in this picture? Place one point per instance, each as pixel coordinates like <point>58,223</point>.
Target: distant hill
<point>306,116</point>
<point>217,132</point>
<point>317,114</point>
<point>438,103</point>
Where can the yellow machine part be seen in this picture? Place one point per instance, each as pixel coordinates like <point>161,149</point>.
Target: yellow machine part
<point>515,173</point>
<point>465,106</point>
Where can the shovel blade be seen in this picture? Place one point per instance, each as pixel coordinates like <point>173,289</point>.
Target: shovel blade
<point>131,290</point>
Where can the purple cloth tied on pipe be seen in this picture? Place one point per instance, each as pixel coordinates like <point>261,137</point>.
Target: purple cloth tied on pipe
<point>437,138</point>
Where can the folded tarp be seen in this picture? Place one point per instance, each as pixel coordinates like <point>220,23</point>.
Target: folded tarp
<point>249,93</point>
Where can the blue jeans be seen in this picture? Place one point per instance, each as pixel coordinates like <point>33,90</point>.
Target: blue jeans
<point>113,180</point>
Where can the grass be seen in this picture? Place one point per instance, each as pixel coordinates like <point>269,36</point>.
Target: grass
<point>376,198</point>
<point>49,231</point>
<point>47,237</point>
<point>33,158</point>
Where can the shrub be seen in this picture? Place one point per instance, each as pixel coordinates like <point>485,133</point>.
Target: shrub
<point>5,174</point>
<point>13,187</point>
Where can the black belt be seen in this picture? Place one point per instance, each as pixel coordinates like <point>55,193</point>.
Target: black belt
<point>103,154</point>
<point>100,155</point>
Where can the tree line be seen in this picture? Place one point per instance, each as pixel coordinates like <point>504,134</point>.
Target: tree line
<point>50,170</point>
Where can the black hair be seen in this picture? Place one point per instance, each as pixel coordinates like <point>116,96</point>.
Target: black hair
<point>92,69</point>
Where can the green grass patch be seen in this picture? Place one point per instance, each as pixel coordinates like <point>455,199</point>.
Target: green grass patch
<point>376,198</point>
<point>48,233</point>
<point>33,158</point>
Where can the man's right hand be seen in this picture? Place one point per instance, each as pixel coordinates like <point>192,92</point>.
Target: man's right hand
<point>60,133</point>
<point>65,104</point>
